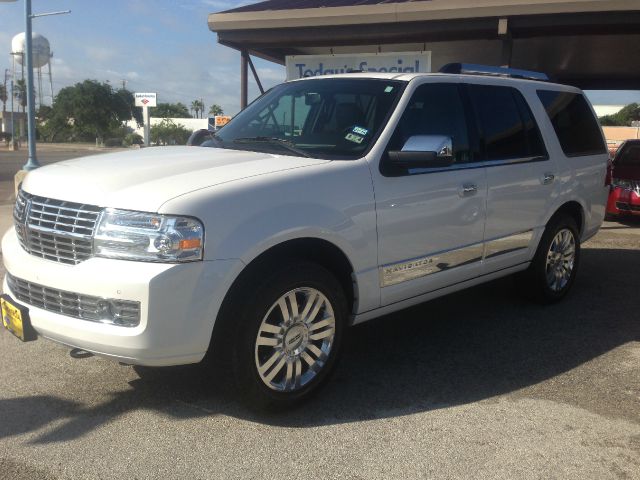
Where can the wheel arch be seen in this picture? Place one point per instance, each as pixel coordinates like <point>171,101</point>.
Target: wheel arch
<point>575,210</point>
<point>317,250</point>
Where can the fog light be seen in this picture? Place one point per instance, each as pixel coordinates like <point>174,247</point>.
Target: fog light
<point>118,312</point>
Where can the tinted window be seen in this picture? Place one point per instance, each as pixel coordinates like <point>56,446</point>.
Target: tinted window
<point>508,127</point>
<point>574,123</point>
<point>629,155</point>
<point>435,109</point>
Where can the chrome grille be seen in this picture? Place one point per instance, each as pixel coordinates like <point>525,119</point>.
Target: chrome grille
<point>55,229</point>
<point>85,307</point>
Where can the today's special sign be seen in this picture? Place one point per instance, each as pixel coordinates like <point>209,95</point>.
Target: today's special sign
<point>299,66</point>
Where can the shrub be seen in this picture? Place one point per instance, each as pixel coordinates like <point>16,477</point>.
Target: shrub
<point>113,142</point>
<point>132,139</point>
<point>168,133</point>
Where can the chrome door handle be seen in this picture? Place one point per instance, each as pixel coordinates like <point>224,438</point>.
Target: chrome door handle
<point>468,190</point>
<point>548,178</point>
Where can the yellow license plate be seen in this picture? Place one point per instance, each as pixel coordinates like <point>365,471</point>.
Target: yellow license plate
<point>16,319</point>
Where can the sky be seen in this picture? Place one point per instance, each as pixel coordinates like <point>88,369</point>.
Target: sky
<point>162,46</point>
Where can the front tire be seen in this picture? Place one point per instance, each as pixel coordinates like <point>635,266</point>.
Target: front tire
<point>555,264</point>
<point>287,334</point>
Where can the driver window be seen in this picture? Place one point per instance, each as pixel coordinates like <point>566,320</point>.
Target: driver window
<point>435,109</point>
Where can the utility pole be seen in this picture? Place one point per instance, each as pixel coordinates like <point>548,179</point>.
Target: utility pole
<point>32,161</point>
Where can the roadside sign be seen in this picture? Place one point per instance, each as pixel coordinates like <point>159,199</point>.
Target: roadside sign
<point>145,99</point>
<point>221,120</point>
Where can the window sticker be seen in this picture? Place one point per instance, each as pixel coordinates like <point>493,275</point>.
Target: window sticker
<point>360,131</point>
<point>352,137</point>
<point>389,89</point>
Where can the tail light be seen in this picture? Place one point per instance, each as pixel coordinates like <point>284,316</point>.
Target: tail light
<point>609,176</point>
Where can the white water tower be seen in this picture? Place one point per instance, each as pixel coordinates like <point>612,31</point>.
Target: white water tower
<point>41,58</point>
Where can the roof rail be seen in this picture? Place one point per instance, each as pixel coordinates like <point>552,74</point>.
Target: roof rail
<point>473,69</point>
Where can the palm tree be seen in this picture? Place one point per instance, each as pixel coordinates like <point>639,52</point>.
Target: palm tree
<point>215,110</point>
<point>195,106</point>
<point>198,107</point>
<point>21,93</point>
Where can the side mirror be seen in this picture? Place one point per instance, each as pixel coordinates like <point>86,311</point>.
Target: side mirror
<point>424,151</point>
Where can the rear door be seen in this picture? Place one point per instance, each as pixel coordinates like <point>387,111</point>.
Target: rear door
<point>520,174</point>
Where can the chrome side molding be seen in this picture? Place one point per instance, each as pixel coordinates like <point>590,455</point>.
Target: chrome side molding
<point>421,267</point>
<point>401,272</point>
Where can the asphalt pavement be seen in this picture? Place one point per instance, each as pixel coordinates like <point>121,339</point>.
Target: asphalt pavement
<point>478,384</point>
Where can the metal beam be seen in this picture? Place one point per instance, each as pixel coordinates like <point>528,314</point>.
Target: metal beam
<point>244,79</point>
<point>255,74</point>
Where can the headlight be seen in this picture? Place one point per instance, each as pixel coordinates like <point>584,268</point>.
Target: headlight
<point>148,237</point>
<point>621,183</point>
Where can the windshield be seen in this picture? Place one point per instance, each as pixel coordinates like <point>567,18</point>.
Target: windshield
<point>630,155</point>
<point>330,118</point>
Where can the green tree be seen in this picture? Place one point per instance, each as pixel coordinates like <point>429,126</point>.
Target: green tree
<point>90,110</point>
<point>168,133</point>
<point>20,93</point>
<point>3,97</point>
<point>215,110</point>
<point>170,110</point>
<point>623,118</point>
<point>126,107</point>
<point>198,107</point>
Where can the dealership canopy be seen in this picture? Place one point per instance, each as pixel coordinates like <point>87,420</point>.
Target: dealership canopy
<point>593,44</point>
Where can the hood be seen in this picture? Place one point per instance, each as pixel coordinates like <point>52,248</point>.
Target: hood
<point>145,179</point>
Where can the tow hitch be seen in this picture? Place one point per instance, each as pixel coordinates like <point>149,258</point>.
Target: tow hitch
<point>78,353</point>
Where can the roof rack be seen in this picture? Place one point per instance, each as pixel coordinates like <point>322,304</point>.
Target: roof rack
<point>473,69</point>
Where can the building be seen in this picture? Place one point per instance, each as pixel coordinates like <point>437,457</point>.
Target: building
<point>593,44</point>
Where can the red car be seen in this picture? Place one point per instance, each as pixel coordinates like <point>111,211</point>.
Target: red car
<point>624,199</point>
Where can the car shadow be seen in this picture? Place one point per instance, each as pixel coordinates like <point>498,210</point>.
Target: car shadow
<point>465,347</point>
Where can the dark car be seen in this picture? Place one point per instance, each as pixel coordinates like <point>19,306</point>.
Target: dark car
<point>624,199</point>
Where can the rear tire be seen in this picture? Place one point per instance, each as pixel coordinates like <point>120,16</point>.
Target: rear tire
<point>555,264</point>
<point>286,334</point>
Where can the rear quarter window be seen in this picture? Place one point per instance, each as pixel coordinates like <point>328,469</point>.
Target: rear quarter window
<point>574,123</point>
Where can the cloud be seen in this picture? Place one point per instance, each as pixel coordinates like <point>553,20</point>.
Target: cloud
<point>101,54</point>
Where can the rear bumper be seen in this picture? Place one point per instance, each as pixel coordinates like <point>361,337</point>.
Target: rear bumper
<point>623,202</point>
<point>178,304</point>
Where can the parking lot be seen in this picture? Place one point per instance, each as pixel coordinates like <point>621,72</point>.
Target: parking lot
<point>479,384</point>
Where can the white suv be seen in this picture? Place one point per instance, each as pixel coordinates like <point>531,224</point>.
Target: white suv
<point>326,203</point>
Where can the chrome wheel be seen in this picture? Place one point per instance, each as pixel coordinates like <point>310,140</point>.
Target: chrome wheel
<point>294,339</point>
<point>560,260</point>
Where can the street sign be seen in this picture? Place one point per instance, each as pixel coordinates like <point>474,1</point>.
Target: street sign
<point>145,99</point>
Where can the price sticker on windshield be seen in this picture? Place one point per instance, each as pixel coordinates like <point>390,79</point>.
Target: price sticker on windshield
<point>357,134</point>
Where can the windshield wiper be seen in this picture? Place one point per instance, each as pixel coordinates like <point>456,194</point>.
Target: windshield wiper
<point>274,141</point>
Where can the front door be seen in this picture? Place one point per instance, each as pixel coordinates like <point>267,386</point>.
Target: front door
<point>430,221</point>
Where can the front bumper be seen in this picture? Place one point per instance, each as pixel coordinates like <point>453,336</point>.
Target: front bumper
<point>178,304</point>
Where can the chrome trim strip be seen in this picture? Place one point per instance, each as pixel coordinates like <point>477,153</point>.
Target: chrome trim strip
<point>482,164</point>
<point>393,274</point>
<point>511,243</point>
